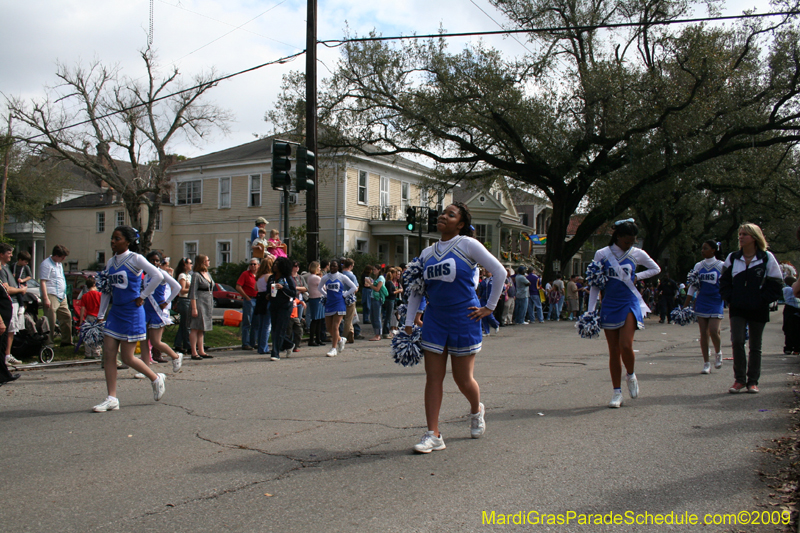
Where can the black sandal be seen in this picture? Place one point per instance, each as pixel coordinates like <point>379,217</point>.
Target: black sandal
<point>197,358</point>
<point>206,356</point>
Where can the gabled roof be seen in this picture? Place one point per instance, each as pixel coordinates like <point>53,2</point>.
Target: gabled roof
<point>102,199</point>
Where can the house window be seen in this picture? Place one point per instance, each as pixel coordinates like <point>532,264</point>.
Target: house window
<point>72,265</point>
<point>384,191</point>
<point>120,218</point>
<point>383,252</point>
<point>101,222</point>
<point>362,187</point>
<point>223,252</point>
<point>423,197</point>
<point>440,202</point>
<point>190,192</point>
<point>404,196</point>
<point>255,191</point>
<point>362,246</point>
<point>483,232</point>
<point>524,219</point>
<point>224,193</point>
<point>159,216</point>
<point>100,257</point>
<point>190,249</point>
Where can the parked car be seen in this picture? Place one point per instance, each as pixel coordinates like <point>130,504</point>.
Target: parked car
<point>226,296</point>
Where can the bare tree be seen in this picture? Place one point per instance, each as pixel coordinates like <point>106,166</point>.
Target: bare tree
<point>96,118</point>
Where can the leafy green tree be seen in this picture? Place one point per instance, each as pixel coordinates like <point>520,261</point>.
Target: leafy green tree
<point>590,112</point>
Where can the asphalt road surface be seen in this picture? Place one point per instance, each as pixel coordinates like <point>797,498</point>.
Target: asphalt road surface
<point>313,444</point>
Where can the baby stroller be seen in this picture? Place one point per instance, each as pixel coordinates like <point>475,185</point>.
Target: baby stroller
<point>31,341</point>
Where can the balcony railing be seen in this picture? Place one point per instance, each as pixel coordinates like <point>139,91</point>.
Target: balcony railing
<point>386,212</point>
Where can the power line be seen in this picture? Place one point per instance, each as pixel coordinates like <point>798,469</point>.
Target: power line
<point>333,43</point>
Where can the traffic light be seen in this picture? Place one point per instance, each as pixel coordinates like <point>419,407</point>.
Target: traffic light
<point>306,169</point>
<point>433,217</point>
<point>281,150</point>
<point>411,218</point>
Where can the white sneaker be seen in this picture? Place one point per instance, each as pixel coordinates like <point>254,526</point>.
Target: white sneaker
<point>477,423</point>
<point>109,404</point>
<point>139,375</point>
<point>341,344</point>
<point>526,322</point>
<point>633,385</point>
<point>706,368</point>
<point>11,360</point>
<point>288,351</point>
<point>159,385</point>
<point>428,443</point>
<point>616,400</point>
<point>176,363</point>
<point>332,353</point>
<point>718,361</point>
<point>496,330</point>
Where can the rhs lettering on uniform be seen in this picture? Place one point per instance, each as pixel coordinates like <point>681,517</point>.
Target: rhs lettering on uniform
<point>444,271</point>
<point>333,287</point>
<point>708,277</point>
<point>626,269</point>
<point>119,279</point>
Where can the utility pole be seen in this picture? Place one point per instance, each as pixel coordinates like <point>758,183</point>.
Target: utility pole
<point>6,161</point>
<point>312,204</point>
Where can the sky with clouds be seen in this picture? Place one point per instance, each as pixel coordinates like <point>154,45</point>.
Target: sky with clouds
<point>229,36</point>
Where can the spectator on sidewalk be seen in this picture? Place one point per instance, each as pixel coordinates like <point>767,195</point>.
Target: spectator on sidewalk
<point>246,286</point>
<point>90,305</point>
<point>261,223</point>
<point>572,297</point>
<point>183,273</point>
<point>54,294</point>
<point>523,295</point>
<point>556,299</point>
<point>17,294</point>
<point>535,312</point>
<point>22,269</point>
<point>349,329</point>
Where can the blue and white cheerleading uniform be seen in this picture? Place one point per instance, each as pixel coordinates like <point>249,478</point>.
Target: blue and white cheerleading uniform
<point>155,317</point>
<point>709,302</point>
<point>126,320</point>
<point>332,286</point>
<point>451,277</point>
<point>621,296</point>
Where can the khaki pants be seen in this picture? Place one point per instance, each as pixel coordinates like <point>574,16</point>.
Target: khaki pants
<point>348,322</point>
<point>64,319</point>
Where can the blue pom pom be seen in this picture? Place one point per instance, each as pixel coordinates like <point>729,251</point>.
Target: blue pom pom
<point>692,280</point>
<point>350,300</point>
<point>407,349</point>
<point>596,275</point>
<point>682,316</point>
<point>92,333</point>
<point>402,311</point>
<point>588,325</point>
<point>413,280</point>
<point>103,282</point>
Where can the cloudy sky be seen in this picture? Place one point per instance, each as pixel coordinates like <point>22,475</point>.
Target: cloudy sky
<point>229,35</point>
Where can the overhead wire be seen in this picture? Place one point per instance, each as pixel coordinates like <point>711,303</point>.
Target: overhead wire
<point>333,43</point>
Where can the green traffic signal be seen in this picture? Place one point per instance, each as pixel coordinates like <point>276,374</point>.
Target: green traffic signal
<point>306,169</point>
<point>281,150</point>
<point>411,218</point>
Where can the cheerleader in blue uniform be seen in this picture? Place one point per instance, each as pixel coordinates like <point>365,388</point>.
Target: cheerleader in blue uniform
<point>453,317</point>
<point>335,288</point>
<point>623,307</point>
<point>708,306</point>
<point>125,324</point>
<point>156,315</point>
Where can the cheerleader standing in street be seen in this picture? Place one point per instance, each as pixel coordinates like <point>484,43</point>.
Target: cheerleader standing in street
<point>332,286</point>
<point>623,307</point>
<point>708,306</point>
<point>453,318</point>
<point>125,324</point>
<point>156,316</point>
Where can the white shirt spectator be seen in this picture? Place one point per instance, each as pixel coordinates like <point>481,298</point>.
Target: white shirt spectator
<point>52,272</point>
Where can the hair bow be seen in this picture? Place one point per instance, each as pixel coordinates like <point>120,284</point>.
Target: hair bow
<point>472,227</point>
<point>618,222</point>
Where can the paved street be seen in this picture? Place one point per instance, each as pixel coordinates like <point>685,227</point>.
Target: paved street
<point>311,443</point>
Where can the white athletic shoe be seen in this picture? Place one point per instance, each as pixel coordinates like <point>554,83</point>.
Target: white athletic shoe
<point>159,386</point>
<point>11,360</point>
<point>497,330</point>
<point>718,361</point>
<point>477,423</point>
<point>633,385</point>
<point>428,443</point>
<point>139,375</point>
<point>706,368</point>
<point>109,404</point>
<point>176,363</point>
<point>616,400</point>
<point>341,344</point>
<point>332,353</point>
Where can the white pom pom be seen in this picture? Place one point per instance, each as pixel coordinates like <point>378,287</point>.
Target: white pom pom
<point>92,333</point>
<point>407,349</point>
<point>413,279</point>
<point>682,316</point>
<point>588,325</point>
<point>596,275</point>
<point>692,280</point>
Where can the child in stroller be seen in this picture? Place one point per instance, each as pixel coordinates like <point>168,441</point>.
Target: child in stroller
<point>31,342</point>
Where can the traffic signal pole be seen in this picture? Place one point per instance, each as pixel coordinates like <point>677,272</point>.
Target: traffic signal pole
<point>312,204</point>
